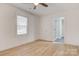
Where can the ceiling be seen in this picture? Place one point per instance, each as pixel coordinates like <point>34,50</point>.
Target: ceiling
<point>52,7</point>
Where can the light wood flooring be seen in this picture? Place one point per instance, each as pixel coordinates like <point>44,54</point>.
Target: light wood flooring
<point>42,48</point>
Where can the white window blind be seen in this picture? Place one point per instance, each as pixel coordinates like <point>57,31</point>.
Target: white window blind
<point>21,25</point>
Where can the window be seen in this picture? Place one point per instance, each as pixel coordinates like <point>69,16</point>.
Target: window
<point>21,25</point>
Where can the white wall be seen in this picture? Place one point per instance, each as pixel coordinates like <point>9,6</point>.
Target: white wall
<point>46,28</point>
<point>8,36</point>
<point>71,26</point>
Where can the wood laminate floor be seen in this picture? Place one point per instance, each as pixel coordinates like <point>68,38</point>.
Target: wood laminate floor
<point>42,48</point>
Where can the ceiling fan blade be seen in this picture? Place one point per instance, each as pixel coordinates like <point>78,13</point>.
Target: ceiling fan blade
<point>43,4</point>
<point>34,7</point>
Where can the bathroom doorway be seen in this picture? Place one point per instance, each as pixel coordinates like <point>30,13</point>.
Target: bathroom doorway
<point>59,29</point>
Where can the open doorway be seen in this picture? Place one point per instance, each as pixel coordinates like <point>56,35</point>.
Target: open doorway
<point>58,29</point>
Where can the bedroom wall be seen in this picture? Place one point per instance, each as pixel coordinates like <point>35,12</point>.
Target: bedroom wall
<point>8,36</point>
<point>71,28</point>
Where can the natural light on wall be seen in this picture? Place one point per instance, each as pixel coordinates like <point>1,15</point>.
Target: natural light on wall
<point>21,25</point>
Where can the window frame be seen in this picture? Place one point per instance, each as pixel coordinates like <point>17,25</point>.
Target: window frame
<point>26,25</point>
